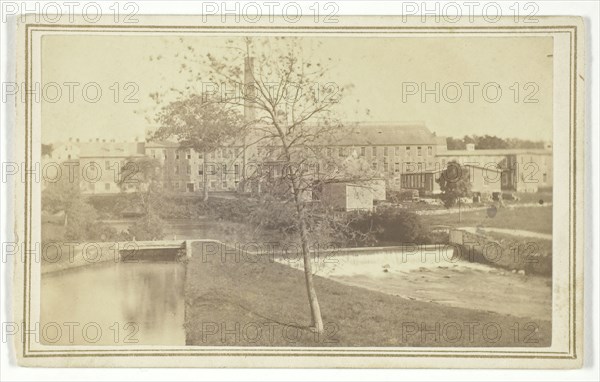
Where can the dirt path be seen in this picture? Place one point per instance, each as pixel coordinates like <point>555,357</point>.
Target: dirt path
<point>513,232</point>
<point>468,208</point>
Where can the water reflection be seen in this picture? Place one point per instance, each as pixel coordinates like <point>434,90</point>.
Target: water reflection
<point>114,303</point>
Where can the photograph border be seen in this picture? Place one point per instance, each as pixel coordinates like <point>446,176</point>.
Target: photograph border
<point>575,205</point>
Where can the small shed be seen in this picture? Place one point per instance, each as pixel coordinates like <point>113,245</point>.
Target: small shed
<point>347,196</point>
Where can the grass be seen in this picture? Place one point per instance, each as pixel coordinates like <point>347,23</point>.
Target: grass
<point>536,219</point>
<point>237,301</point>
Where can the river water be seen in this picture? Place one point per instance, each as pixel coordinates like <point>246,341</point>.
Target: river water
<point>143,303</point>
<point>114,304</point>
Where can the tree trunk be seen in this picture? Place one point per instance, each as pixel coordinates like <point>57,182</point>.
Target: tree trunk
<point>204,177</point>
<point>315,309</point>
<point>205,197</point>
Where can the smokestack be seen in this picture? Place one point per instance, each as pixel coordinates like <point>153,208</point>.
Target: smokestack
<point>249,111</point>
<point>249,89</point>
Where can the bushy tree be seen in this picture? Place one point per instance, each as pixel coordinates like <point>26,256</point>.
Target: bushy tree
<point>145,176</point>
<point>81,221</point>
<point>200,124</point>
<point>148,227</point>
<point>455,183</point>
<point>62,195</point>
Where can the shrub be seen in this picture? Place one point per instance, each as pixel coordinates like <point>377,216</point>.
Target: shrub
<point>148,227</point>
<point>392,225</point>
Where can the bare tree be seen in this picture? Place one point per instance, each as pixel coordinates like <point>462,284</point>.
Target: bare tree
<point>293,105</point>
<point>289,102</point>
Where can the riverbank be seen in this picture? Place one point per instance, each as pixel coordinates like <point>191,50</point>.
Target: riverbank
<point>534,218</point>
<point>61,256</point>
<point>232,300</point>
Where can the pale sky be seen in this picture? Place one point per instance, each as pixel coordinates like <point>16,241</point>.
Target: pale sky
<point>377,67</point>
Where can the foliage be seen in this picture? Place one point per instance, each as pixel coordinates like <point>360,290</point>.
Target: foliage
<point>391,225</point>
<point>144,174</point>
<point>485,142</point>
<point>455,183</point>
<point>148,227</point>
<point>80,218</point>
<point>201,124</point>
<point>63,195</point>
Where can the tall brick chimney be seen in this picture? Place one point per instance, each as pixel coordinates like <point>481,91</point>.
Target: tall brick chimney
<point>250,90</point>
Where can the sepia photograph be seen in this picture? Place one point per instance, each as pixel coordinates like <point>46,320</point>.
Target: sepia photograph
<point>364,195</point>
<point>274,191</point>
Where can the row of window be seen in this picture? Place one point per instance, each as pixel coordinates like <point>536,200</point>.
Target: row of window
<point>374,150</point>
<point>212,185</point>
<point>107,186</point>
<point>342,151</point>
<point>220,153</point>
<point>223,169</point>
<point>414,181</point>
<point>411,166</point>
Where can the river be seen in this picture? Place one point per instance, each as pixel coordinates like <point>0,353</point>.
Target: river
<point>114,304</point>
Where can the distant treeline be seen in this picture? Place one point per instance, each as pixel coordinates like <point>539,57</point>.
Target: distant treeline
<point>483,142</point>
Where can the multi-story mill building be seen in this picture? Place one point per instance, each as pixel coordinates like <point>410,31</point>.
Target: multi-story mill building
<point>405,156</point>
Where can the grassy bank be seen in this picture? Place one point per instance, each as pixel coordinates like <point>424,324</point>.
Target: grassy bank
<point>536,219</point>
<point>238,301</point>
<point>513,253</point>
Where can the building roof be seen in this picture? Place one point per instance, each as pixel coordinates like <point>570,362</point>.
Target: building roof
<point>387,135</point>
<point>424,171</point>
<point>495,152</point>
<point>111,149</point>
